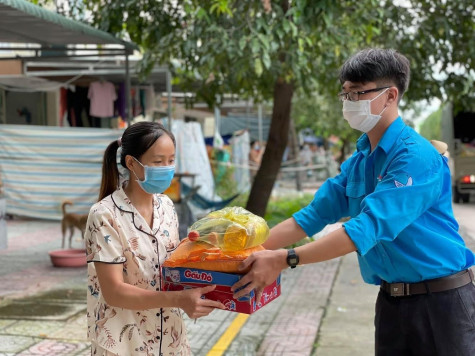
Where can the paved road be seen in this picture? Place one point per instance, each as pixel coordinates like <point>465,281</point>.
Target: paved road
<point>465,214</point>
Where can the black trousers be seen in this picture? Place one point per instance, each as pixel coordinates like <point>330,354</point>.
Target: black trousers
<point>436,324</point>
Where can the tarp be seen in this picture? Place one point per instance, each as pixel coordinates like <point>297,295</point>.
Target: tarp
<point>192,157</point>
<point>41,166</point>
<point>234,122</point>
<point>240,145</point>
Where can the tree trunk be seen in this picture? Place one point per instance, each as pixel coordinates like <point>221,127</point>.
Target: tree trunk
<point>274,151</point>
<point>343,150</point>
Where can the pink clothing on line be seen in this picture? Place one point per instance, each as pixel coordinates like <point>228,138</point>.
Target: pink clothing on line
<point>102,96</point>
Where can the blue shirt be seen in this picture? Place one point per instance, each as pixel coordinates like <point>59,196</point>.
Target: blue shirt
<point>399,199</point>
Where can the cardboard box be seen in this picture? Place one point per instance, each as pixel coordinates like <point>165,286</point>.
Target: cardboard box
<point>179,278</point>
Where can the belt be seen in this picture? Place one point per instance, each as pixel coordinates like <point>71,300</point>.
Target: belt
<point>453,281</point>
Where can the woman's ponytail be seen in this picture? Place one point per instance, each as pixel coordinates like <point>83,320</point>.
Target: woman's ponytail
<point>110,172</point>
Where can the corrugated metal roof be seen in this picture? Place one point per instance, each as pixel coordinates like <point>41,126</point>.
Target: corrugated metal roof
<point>24,22</point>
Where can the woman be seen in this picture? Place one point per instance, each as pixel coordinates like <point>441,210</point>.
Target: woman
<point>131,231</point>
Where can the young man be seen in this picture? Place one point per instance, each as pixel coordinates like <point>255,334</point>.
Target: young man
<point>396,188</point>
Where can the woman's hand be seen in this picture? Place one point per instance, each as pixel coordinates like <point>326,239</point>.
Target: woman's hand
<point>194,305</point>
<point>265,268</point>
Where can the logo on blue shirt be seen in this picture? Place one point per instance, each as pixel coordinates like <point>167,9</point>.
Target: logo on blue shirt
<point>408,181</point>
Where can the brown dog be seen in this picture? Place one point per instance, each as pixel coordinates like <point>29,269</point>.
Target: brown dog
<point>71,221</point>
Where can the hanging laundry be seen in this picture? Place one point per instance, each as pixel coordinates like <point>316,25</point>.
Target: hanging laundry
<point>78,104</point>
<point>240,148</point>
<point>142,100</point>
<point>121,102</point>
<point>63,104</point>
<point>102,95</point>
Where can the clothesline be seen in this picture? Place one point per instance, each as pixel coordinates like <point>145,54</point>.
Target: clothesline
<point>282,169</point>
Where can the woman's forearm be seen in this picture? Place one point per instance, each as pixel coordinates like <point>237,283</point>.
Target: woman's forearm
<point>131,297</point>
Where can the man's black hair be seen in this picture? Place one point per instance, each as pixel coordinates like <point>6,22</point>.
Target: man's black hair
<point>382,66</point>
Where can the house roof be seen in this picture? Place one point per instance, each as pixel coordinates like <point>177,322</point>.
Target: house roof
<point>24,22</point>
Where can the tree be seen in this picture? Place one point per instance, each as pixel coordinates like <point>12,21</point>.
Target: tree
<point>437,36</point>
<point>431,127</point>
<point>250,48</point>
<point>268,50</point>
<point>323,115</point>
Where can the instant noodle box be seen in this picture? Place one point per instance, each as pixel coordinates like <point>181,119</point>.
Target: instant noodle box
<point>179,278</point>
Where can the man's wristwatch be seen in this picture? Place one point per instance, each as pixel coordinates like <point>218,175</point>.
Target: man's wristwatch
<point>292,258</point>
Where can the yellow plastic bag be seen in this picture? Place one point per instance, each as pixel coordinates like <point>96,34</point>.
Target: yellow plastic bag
<point>230,229</point>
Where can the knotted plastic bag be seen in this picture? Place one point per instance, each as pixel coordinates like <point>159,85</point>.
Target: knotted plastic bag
<point>230,229</point>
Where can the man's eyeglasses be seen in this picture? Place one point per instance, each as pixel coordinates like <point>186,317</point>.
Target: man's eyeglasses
<point>355,95</point>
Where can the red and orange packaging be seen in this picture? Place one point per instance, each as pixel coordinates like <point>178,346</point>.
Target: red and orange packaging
<point>179,278</point>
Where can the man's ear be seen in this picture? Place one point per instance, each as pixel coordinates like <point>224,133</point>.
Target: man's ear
<point>393,94</point>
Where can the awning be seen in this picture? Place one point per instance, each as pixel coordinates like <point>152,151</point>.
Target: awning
<point>24,22</point>
<point>26,84</point>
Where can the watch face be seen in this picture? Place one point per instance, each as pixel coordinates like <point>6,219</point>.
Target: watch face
<point>292,258</point>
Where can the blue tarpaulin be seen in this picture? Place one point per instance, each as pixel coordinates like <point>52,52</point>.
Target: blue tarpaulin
<point>41,166</point>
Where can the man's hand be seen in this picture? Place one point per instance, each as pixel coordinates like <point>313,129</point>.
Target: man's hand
<point>265,268</point>
<point>194,305</point>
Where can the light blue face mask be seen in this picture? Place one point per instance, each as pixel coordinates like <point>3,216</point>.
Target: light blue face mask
<point>157,179</point>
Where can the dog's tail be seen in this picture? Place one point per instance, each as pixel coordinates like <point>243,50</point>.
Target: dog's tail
<point>63,205</point>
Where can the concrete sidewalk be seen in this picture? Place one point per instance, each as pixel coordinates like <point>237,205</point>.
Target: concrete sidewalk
<point>42,308</point>
<point>347,327</point>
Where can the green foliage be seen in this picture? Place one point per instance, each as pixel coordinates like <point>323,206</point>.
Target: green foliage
<point>321,113</point>
<point>226,186</point>
<point>223,173</point>
<point>437,37</point>
<point>279,209</point>
<point>434,35</point>
<point>226,46</point>
<point>431,127</point>
<point>282,208</point>
<point>241,200</point>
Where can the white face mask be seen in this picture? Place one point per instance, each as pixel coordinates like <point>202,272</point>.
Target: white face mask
<point>358,114</point>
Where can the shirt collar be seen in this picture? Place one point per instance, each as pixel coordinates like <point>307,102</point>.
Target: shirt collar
<point>122,201</point>
<point>386,142</point>
<point>391,134</point>
<point>363,144</point>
